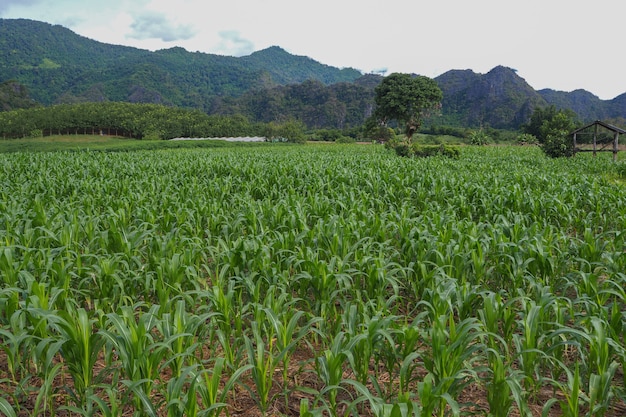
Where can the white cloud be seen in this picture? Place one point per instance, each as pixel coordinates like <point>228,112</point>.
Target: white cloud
<point>154,25</point>
<point>233,44</point>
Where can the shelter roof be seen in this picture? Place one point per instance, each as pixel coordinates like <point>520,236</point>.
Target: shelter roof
<point>603,124</point>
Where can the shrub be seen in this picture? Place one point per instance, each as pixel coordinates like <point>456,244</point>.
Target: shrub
<point>344,139</point>
<point>402,149</point>
<point>423,151</point>
<point>36,133</point>
<point>557,146</point>
<point>526,139</point>
<point>479,137</point>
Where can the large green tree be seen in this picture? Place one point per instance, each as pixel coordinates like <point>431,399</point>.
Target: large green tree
<point>407,99</point>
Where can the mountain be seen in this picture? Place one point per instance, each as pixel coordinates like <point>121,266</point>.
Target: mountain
<point>585,104</point>
<point>55,65</point>
<point>498,99</point>
<point>502,99</point>
<point>14,96</point>
<point>58,65</point>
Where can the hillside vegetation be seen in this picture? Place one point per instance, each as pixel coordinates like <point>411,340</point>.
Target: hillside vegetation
<point>57,66</point>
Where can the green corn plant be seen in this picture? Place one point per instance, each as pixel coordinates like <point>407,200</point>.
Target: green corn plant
<point>402,409</point>
<point>180,395</point>
<point>212,390</point>
<point>41,300</point>
<point>17,342</point>
<point>329,367</point>
<point>263,364</point>
<point>504,386</point>
<point>365,346</point>
<point>306,411</point>
<point>81,349</point>
<point>140,356</point>
<point>601,368</point>
<point>498,318</point>
<point>403,355</point>
<point>9,303</point>
<point>528,344</point>
<point>406,376</point>
<point>108,280</point>
<point>11,266</point>
<point>428,398</point>
<point>111,407</point>
<point>228,321</point>
<point>601,391</point>
<point>44,403</point>
<point>455,347</point>
<point>6,408</point>
<point>498,391</point>
<point>573,404</point>
<point>180,330</point>
<point>141,398</point>
<point>289,329</point>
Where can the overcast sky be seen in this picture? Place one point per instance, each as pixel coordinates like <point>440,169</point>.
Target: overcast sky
<point>559,44</point>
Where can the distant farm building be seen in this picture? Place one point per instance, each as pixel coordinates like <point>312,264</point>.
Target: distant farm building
<point>597,137</point>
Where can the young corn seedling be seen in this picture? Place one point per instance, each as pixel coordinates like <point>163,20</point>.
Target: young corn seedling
<point>212,393</point>
<point>180,395</point>
<point>289,332</point>
<point>404,354</point>
<point>45,402</point>
<point>571,390</point>
<point>601,367</point>
<point>263,364</point>
<point>139,355</point>
<point>109,407</point>
<point>228,319</point>
<point>329,367</point>
<point>17,341</point>
<point>529,346</point>
<point>364,346</point>
<point>6,408</point>
<point>504,386</point>
<point>81,348</point>
<point>454,348</point>
<point>180,331</point>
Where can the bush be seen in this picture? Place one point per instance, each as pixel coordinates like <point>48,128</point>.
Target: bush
<point>526,139</point>
<point>344,139</point>
<point>36,133</point>
<point>557,146</point>
<point>423,151</point>
<point>402,149</point>
<point>382,134</point>
<point>479,137</point>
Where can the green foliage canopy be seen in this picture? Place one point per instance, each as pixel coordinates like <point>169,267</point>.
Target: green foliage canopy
<point>555,134</point>
<point>139,121</point>
<point>406,99</point>
<point>551,127</point>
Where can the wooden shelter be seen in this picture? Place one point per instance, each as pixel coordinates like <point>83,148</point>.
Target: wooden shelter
<point>598,145</point>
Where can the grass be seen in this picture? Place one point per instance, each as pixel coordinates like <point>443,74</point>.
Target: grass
<point>105,143</point>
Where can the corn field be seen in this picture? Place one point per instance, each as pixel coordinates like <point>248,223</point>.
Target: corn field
<point>311,281</point>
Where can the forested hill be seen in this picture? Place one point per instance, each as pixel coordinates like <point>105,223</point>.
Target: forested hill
<point>55,65</point>
<point>501,98</point>
<point>58,65</point>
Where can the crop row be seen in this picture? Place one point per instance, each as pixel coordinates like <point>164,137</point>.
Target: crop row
<point>318,280</point>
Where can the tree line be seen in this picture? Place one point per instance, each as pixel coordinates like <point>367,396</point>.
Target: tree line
<point>137,121</point>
